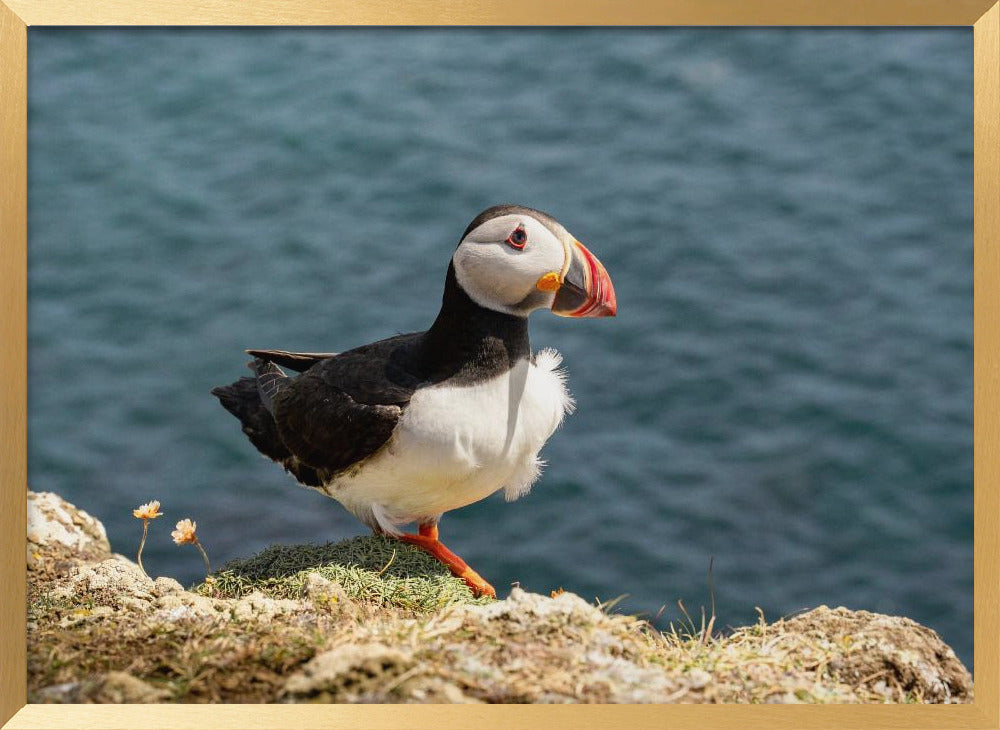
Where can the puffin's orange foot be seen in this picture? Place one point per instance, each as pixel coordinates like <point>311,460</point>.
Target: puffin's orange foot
<point>427,540</point>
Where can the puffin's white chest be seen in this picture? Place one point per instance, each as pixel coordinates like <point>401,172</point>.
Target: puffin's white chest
<point>456,445</point>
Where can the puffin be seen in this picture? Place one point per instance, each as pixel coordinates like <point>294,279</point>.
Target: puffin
<point>407,428</point>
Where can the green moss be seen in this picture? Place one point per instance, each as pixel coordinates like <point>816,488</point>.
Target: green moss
<point>374,570</point>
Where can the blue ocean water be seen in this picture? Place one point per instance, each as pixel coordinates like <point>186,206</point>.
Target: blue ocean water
<point>786,215</point>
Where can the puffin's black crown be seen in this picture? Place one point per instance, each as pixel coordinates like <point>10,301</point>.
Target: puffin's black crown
<point>508,209</point>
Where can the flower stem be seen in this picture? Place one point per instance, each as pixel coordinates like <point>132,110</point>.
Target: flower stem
<point>204,556</point>
<point>142,544</point>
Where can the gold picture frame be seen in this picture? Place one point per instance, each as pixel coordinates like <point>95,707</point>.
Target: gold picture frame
<point>17,15</point>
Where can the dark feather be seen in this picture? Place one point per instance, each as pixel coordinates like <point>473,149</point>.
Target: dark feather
<point>344,409</point>
<point>297,361</point>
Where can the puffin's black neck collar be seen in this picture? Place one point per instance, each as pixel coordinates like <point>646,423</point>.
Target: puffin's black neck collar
<point>470,343</point>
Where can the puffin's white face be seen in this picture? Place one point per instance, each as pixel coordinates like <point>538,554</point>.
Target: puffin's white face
<point>500,262</point>
<point>516,263</point>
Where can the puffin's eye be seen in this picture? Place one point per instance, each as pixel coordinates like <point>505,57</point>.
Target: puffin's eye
<point>517,238</point>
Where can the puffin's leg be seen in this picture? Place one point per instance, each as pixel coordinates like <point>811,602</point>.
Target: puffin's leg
<point>428,540</point>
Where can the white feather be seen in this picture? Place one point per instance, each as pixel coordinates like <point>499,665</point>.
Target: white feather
<point>386,523</point>
<point>456,445</point>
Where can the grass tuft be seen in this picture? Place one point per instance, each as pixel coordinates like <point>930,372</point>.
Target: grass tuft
<point>376,570</point>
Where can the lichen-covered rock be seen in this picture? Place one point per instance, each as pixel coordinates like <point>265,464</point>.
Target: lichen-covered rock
<point>534,648</point>
<point>56,525</point>
<point>164,586</point>
<point>113,687</point>
<point>329,595</point>
<point>176,607</point>
<point>370,673</point>
<point>891,649</point>
<point>366,673</point>
<point>258,607</point>
<point>115,582</point>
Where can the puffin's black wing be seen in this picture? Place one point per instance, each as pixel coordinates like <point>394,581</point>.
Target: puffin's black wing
<point>297,361</point>
<point>343,409</point>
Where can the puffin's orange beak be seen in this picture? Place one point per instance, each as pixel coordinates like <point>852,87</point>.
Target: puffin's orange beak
<point>586,289</point>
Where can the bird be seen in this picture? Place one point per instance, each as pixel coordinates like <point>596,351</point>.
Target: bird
<point>405,429</point>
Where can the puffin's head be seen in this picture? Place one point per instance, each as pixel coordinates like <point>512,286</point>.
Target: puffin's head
<point>516,260</point>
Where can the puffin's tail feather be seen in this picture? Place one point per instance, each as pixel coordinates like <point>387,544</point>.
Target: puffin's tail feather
<point>244,400</point>
<point>270,379</point>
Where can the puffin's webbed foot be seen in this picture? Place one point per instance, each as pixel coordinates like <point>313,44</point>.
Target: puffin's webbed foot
<point>428,540</point>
